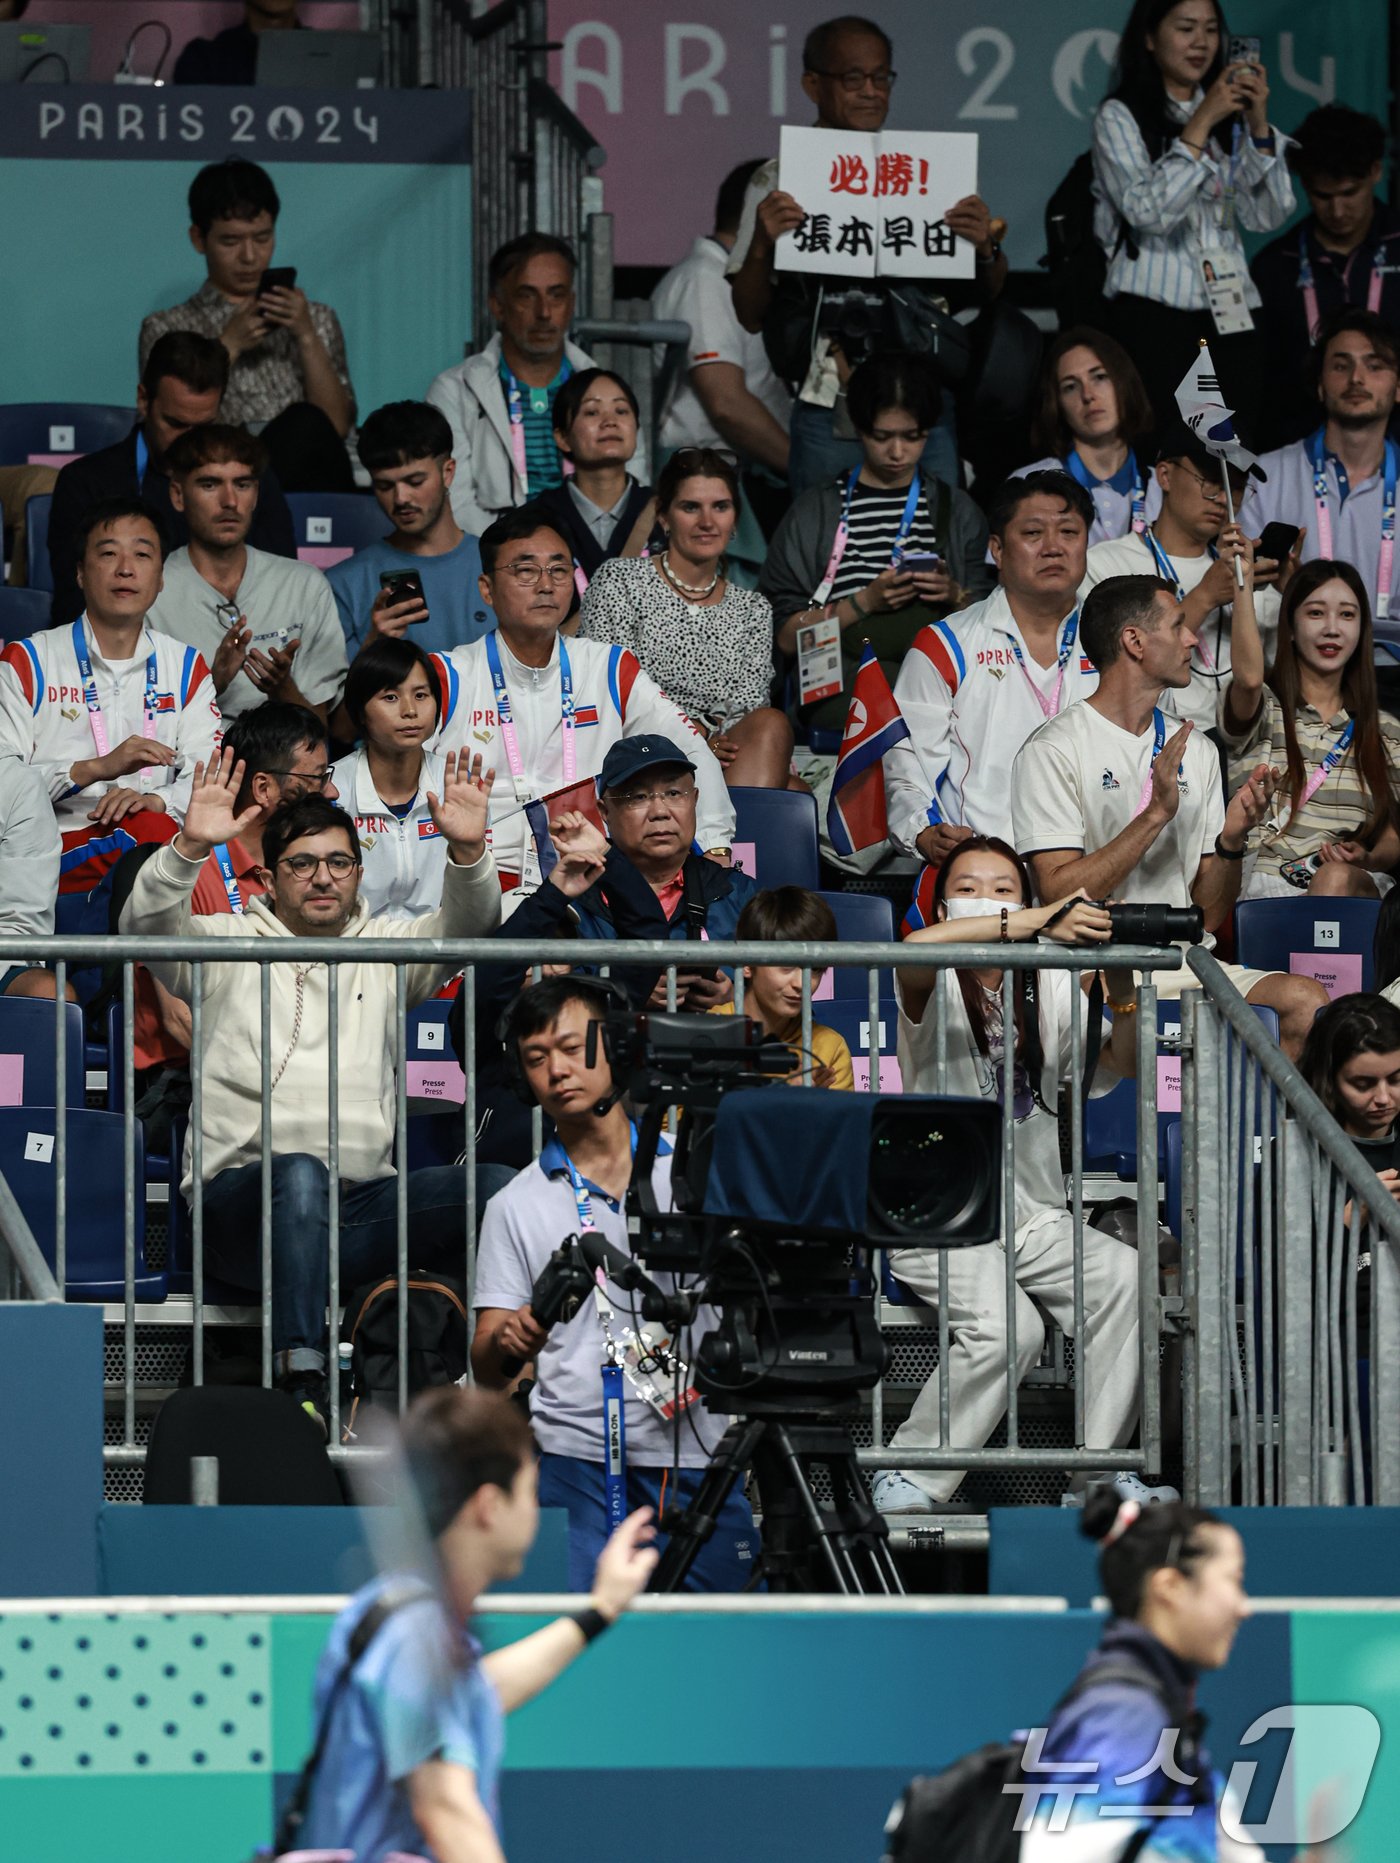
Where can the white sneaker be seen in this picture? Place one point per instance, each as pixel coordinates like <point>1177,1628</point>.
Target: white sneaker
<point>893,1494</point>
<point>1130,1486</point>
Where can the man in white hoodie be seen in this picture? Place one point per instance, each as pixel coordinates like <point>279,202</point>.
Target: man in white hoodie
<point>311,867</point>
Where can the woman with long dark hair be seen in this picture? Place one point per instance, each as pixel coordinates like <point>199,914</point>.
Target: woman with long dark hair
<point>983,896</point>
<point>1184,157</point>
<point>1092,416</point>
<point>1335,827</point>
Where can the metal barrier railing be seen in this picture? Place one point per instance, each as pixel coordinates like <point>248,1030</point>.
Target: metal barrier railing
<point>1276,1204</point>
<point>400,954</point>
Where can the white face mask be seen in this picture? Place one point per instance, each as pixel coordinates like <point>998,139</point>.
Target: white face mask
<point>965,908</point>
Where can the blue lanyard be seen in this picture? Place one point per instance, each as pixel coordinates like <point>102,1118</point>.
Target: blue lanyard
<point>614,1405</point>
<point>1323,538</point>
<point>1165,566</point>
<point>583,1203</point>
<point>515,408</point>
<point>1067,640</point>
<point>1137,501</point>
<point>143,455</point>
<point>94,704</point>
<point>906,523</point>
<point>230,880</point>
<point>507,718</point>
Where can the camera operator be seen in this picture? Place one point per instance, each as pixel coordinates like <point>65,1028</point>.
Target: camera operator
<point>1106,803</point>
<point>578,1185</point>
<point>847,75</point>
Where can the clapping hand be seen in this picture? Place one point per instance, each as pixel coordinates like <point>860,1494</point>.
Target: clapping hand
<point>211,815</point>
<point>582,852</point>
<point>624,1565</point>
<point>461,813</point>
<point>231,655</point>
<point>1166,774</point>
<point>1249,804</point>
<point>271,671</point>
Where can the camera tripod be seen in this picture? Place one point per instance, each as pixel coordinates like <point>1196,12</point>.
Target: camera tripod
<point>843,1547</point>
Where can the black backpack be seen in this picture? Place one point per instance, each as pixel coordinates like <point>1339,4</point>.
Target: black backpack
<point>1076,262</point>
<point>964,1814</point>
<point>437,1338</point>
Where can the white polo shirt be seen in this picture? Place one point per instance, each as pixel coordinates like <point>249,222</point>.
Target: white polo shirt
<point>697,292</point>
<point>283,601</point>
<point>1290,497</point>
<point>404,855</point>
<point>1078,782</point>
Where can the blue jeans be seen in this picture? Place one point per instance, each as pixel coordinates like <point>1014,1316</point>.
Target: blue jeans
<point>817,456</point>
<point>301,1234</point>
<point>726,1561</point>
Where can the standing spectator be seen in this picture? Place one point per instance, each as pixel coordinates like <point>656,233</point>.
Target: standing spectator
<point>231,56</point>
<point>266,625</point>
<point>579,1183</point>
<point>548,710</point>
<point>181,387</point>
<point>1108,804</point>
<point>600,508</point>
<point>973,694</point>
<point>773,992</point>
<point>1340,484</point>
<point>500,401</point>
<point>727,394</point>
<point>110,712</point>
<point>1334,827</point>
<point>391,699</point>
<point>840,549</point>
<point>1341,256</point>
<point>847,75</point>
<point>29,856</point>
<point>1191,545</point>
<point>1184,157</point>
<point>1093,416</point>
<point>706,642</point>
<point>406,448</point>
<point>311,866</point>
<point>288,376</point>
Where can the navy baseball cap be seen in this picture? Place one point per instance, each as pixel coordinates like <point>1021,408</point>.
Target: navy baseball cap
<point>631,755</point>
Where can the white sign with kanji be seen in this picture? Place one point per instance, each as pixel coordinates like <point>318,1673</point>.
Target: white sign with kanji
<point>875,205</point>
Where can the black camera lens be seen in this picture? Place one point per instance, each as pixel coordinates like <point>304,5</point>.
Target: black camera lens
<point>1157,924</point>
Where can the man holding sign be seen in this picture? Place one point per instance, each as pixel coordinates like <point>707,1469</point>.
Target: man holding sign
<point>848,75</point>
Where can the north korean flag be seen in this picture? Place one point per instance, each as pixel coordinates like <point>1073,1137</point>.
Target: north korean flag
<point>855,810</point>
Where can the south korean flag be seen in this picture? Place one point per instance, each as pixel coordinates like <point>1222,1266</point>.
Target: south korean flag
<point>1202,407</point>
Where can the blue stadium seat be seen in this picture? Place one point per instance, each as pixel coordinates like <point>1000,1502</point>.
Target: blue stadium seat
<point>36,542</point>
<point>27,1038</point>
<point>330,526</point>
<point>851,1020</point>
<point>1330,939</point>
<point>95,1226</point>
<point>23,612</point>
<point>868,918</point>
<point>47,428</point>
<point>780,826</point>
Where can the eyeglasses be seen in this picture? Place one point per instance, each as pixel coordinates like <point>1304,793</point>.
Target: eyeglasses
<point>307,866</point>
<point>317,779</point>
<point>857,80</point>
<point>528,574</point>
<point>1211,489</point>
<point>671,797</point>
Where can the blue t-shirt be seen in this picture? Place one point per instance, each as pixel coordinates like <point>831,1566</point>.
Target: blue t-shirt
<point>418,1693</point>
<point>543,466</point>
<point>456,613</point>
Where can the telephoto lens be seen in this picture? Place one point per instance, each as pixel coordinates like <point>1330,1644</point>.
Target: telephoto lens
<point>1154,924</point>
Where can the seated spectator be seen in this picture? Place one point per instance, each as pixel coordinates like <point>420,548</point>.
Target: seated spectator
<point>727,393</point>
<point>706,642</point>
<point>599,508</point>
<point>500,401</point>
<point>1092,417</point>
<point>1341,256</point>
<point>311,868</point>
<point>840,550</point>
<point>29,857</point>
<point>1191,545</point>
<point>982,896</point>
<point>288,377</point>
<point>1107,803</point>
<point>406,447</point>
<point>111,713</point>
<point>773,992</point>
<point>1334,827</point>
<point>181,387</point>
<point>580,1182</point>
<point>1339,484</point>
<point>391,697</point>
<point>231,56</point>
<point>971,696</point>
<point>266,625</point>
<point>545,710</point>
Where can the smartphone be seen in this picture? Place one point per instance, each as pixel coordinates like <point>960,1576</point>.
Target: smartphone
<point>407,586</point>
<point>1300,873</point>
<point>920,563</point>
<point>277,278</point>
<point>1277,540</point>
<point>1242,49</point>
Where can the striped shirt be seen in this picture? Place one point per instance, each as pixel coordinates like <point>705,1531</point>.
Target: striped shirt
<point>1340,805</point>
<point>875,518</point>
<point>1180,206</point>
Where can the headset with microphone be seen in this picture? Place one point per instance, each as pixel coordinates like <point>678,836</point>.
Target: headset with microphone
<point>605,990</point>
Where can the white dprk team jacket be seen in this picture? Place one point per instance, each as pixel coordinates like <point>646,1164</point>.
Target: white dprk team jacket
<point>613,698</point>
<point>44,718</point>
<point>404,857</point>
<point>969,708</point>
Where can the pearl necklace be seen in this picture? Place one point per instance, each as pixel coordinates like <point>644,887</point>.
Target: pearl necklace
<point>688,588</point>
